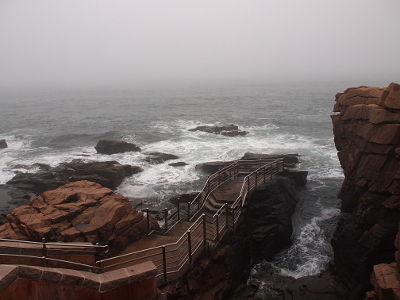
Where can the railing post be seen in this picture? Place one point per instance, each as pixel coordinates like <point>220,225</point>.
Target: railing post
<point>256,179</point>
<point>188,212</point>
<point>166,219</point>
<point>248,184</point>
<point>179,209</point>
<point>101,266</point>
<point>148,220</point>
<point>204,229</point>
<point>44,252</point>
<point>217,227</point>
<point>190,246</point>
<point>227,215</point>
<point>265,170</point>
<point>164,256</point>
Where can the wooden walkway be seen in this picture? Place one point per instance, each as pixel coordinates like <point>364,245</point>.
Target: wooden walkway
<point>216,211</point>
<point>195,229</point>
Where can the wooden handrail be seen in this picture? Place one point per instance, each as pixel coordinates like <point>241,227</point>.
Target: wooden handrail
<point>172,258</point>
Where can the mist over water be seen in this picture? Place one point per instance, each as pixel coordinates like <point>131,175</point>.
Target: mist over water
<point>51,127</point>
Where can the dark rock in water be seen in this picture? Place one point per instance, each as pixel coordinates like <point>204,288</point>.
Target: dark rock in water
<point>10,198</point>
<point>268,219</point>
<point>109,174</point>
<point>178,164</point>
<point>228,130</point>
<point>111,147</point>
<point>159,157</point>
<point>265,229</point>
<point>212,167</point>
<point>3,144</point>
<point>300,177</point>
<point>184,198</point>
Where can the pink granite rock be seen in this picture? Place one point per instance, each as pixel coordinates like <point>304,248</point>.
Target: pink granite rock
<point>79,211</point>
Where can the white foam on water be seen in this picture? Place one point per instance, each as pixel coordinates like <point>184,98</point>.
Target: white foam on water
<point>309,254</point>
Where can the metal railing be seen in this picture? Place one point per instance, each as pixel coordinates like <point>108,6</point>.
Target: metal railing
<point>237,168</point>
<point>172,260</point>
<point>40,252</point>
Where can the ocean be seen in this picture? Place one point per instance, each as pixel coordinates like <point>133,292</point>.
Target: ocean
<point>55,126</point>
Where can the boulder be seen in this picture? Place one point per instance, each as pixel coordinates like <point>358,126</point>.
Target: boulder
<point>212,167</point>
<point>178,164</point>
<point>268,220</point>
<point>159,157</point>
<point>391,96</point>
<point>10,198</point>
<point>111,147</point>
<point>3,144</point>
<point>76,212</point>
<point>109,174</point>
<point>228,130</point>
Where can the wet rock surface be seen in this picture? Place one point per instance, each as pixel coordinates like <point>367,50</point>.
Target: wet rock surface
<point>3,144</point>
<point>112,147</point>
<point>367,137</point>
<point>290,160</point>
<point>109,174</point>
<point>265,230</point>
<point>81,211</point>
<point>10,198</point>
<point>159,157</point>
<point>227,130</point>
<point>268,218</point>
<point>267,282</point>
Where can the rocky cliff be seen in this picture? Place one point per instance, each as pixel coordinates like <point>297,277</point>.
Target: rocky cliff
<point>367,136</point>
<point>80,211</point>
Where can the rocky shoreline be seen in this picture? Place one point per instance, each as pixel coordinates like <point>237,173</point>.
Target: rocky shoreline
<point>266,228</point>
<point>367,136</point>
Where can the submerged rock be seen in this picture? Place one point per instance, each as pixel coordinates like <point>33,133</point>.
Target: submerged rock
<point>3,144</point>
<point>178,164</point>
<point>159,157</point>
<point>77,212</point>
<point>112,147</point>
<point>228,130</point>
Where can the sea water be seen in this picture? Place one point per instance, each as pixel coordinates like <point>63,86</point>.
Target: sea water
<point>55,126</point>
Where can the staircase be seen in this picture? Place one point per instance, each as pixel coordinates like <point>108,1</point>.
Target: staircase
<point>226,193</point>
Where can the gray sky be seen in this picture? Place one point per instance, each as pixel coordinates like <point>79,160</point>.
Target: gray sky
<point>98,42</point>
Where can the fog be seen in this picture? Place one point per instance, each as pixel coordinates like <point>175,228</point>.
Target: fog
<point>122,43</point>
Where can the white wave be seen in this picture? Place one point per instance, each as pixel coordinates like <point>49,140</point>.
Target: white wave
<point>310,252</point>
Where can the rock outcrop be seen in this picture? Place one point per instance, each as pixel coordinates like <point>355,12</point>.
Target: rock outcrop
<point>81,211</point>
<point>112,147</point>
<point>290,160</point>
<point>266,228</point>
<point>159,157</point>
<point>386,278</point>
<point>268,219</point>
<point>109,174</point>
<point>3,144</point>
<point>367,136</point>
<point>228,130</point>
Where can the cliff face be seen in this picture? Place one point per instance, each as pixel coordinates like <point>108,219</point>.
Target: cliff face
<point>367,137</point>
